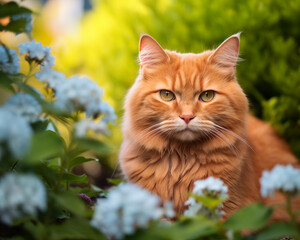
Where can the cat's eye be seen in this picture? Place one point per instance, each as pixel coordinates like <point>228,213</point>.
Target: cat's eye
<point>167,95</point>
<point>207,96</point>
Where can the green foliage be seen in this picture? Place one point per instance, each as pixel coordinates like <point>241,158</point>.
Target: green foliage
<point>250,218</point>
<point>278,231</point>
<point>270,48</point>
<point>45,145</point>
<point>12,9</point>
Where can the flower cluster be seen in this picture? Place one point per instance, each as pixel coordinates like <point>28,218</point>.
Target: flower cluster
<point>210,187</point>
<point>83,126</point>
<point>15,132</point>
<point>35,52</point>
<point>79,93</point>
<point>126,208</point>
<point>25,105</point>
<point>21,194</point>
<point>283,178</point>
<point>9,60</point>
<point>51,77</point>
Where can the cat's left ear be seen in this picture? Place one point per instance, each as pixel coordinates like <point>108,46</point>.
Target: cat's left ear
<point>227,54</point>
<point>151,53</point>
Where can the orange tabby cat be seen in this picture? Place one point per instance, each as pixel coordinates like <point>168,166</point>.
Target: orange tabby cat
<point>186,118</point>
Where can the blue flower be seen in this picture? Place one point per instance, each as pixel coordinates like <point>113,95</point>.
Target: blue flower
<point>53,78</point>
<point>24,16</point>
<point>283,178</point>
<point>21,194</point>
<point>210,187</point>
<point>108,111</point>
<point>9,60</point>
<point>25,105</point>
<point>15,132</point>
<point>79,94</point>
<point>83,126</point>
<point>126,208</point>
<point>35,52</point>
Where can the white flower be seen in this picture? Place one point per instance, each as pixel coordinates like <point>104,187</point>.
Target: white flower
<point>21,194</point>
<point>282,178</point>
<point>36,52</point>
<point>109,112</point>
<point>79,93</point>
<point>24,16</point>
<point>194,208</point>
<point>83,126</point>
<point>51,77</point>
<point>126,208</point>
<point>211,187</point>
<point>25,105</point>
<point>9,60</point>
<point>169,210</point>
<point>15,132</point>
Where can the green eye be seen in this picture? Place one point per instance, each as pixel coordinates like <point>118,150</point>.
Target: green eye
<point>207,96</point>
<point>167,95</point>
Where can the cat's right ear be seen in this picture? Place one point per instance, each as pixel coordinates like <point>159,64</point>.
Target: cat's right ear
<point>227,54</point>
<point>151,53</point>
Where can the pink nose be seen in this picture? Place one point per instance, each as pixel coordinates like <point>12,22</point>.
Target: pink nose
<point>187,118</point>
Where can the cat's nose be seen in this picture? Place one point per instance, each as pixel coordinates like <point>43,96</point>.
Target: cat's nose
<point>187,118</point>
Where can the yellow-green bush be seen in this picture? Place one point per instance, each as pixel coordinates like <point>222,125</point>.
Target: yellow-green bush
<point>107,48</point>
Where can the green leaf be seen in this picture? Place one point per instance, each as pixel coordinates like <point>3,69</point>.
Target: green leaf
<point>94,145</point>
<point>40,125</point>
<point>75,228</point>
<point>49,175</point>
<point>71,203</point>
<point>277,231</point>
<point>28,89</point>
<point>115,181</point>
<point>6,82</point>
<point>79,160</point>
<point>207,201</point>
<point>252,217</point>
<point>72,178</point>
<point>194,228</point>
<point>16,26</point>
<point>99,191</point>
<point>45,145</point>
<point>37,230</point>
<point>12,8</point>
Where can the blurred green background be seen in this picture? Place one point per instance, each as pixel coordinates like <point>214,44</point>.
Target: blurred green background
<point>103,44</point>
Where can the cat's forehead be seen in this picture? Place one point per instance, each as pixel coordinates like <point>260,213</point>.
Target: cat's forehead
<point>187,71</point>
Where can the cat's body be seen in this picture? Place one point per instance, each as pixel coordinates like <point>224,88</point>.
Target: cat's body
<point>171,143</point>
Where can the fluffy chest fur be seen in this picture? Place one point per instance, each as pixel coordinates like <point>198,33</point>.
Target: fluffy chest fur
<point>171,174</point>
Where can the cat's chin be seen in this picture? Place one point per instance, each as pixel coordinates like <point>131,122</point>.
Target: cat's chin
<point>186,135</point>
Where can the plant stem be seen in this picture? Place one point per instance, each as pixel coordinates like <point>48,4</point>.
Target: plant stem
<point>14,165</point>
<point>289,208</point>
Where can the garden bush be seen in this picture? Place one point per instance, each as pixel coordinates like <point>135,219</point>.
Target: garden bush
<point>40,196</point>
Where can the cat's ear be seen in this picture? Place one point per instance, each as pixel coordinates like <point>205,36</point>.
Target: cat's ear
<point>151,53</point>
<point>227,54</point>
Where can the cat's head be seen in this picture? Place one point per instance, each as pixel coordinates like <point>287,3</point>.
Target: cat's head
<point>185,97</point>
